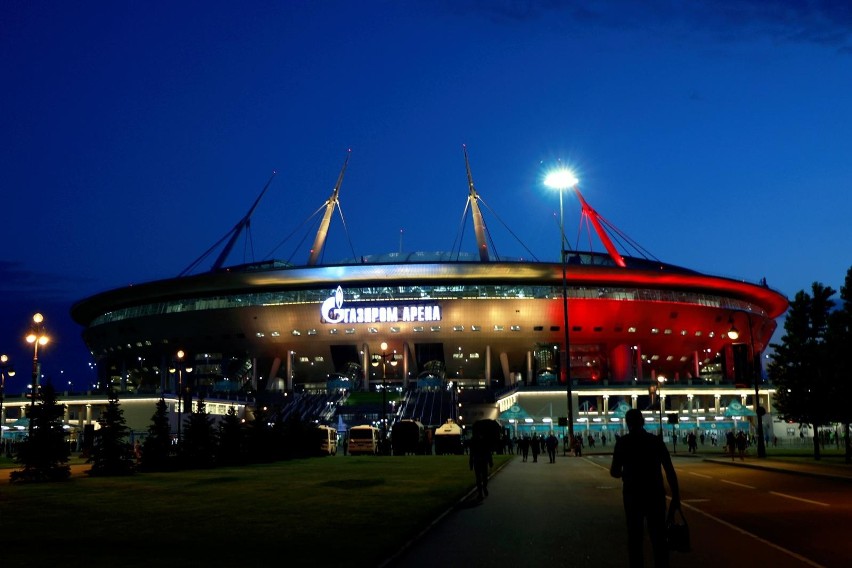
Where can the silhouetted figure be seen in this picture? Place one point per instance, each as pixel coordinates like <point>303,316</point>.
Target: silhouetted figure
<point>480,461</point>
<point>535,443</point>
<point>552,442</point>
<point>742,444</point>
<point>577,446</point>
<point>730,444</point>
<point>638,459</point>
<point>525,447</point>
<point>692,442</point>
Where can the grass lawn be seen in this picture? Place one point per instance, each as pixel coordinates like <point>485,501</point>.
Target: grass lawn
<point>336,511</point>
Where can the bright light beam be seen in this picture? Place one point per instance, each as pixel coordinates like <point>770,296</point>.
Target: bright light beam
<point>561,179</point>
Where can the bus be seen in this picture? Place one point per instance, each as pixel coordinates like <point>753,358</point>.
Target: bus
<point>326,440</point>
<point>363,440</point>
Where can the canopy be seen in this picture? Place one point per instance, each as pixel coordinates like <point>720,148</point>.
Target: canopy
<point>515,413</point>
<point>620,410</point>
<point>736,409</point>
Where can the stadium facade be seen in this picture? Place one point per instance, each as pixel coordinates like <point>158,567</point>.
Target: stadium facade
<point>450,322</point>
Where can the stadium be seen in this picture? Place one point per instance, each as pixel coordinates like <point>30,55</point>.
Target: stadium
<point>445,335</point>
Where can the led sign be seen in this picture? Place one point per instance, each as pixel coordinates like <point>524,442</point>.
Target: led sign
<point>332,310</point>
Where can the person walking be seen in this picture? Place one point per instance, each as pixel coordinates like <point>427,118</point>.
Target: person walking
<point>480,461</point>
<point>731,444</point>
<point>742,444</point>
<point>552,442</point>
<point>639,459</point>
<point>536,447</point>
<point>578,446</point>
<point>525,447</point>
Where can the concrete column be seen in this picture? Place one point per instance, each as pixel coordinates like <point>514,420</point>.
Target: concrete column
<point>504,362</point>
<point>639,371</point>
<point>289,370</point>
<point>575,403</point>
<point>506,379</point>
<point>529,367</point>
<point>365,366</point>
<point>271,382</point>
<point>619,364</point>
<point>405,360</point>
<point>164,373</point>
<point>696,367</point>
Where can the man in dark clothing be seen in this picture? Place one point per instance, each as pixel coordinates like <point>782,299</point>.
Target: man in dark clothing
<point>552,442</point>
<point>637,459</point>
<point>480,461</point>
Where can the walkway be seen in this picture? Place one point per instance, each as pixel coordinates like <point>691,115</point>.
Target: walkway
<point>570,514</point>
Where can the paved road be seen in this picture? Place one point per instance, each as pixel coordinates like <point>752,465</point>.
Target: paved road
<point>570,514</point>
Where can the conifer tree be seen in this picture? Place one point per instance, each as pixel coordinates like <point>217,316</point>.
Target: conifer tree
<point>259,436</point>
<point>231,439</point>
<point>158,444</point>
<point>112,453</point>
<point>299,437</point>
<point>44,455</point>
<point>840,339</point>
<point>199,439</point>
<point>801,366</point>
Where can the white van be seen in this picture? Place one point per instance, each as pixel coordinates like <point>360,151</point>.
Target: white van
<point>363,440</point>
<point>327,439</point>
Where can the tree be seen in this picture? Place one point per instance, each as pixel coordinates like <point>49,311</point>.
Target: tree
<point>45,453</point>
<point>801,365</point>
<point>299,438</point>
<point>112,453</point>
<point>259,435</point>
<point>199,439</point>
<point>158,444</point>
<point>840,339</point>
<point>231,439</point>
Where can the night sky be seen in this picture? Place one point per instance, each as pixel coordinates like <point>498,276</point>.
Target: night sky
<point>136,134</point>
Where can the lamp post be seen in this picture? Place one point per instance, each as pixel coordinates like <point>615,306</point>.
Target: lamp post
<point>375,362</point>
<point>5,369</point>
<point>180,356</point>
<point>37,336</point>
<point>733,335</point>
<point>561,180</point>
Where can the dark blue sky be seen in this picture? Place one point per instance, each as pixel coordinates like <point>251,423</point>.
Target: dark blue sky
<point>135,134</point>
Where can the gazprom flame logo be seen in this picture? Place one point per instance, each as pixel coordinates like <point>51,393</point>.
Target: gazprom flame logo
<point>330,309</point>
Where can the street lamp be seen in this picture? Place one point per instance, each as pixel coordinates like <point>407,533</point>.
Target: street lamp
<point>383,358</point>
<point>733,335</point>
<point>37,336</point>
<point>562,179</point>
<point>5,369</point>
<point>181,369</point>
